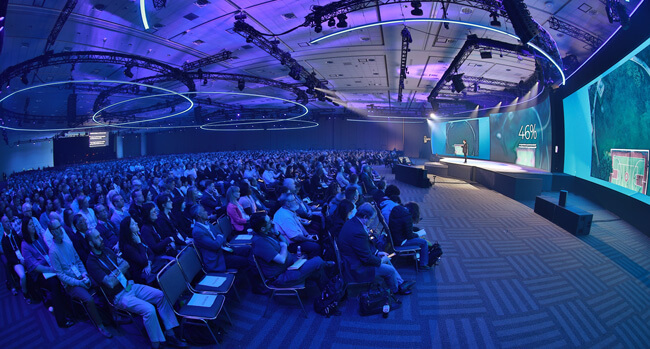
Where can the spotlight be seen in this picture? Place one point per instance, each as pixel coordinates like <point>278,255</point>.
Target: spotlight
<point>205,81</point>
<point>24,79</point>
<point>446,25</point>
<point>457,82</point>
<point>249,39</point>
<point>127,72</point>
<point>495,20</point>
<point>241,16</point>
<point>331,22</point>
<point>417,11</point>
<point>342,23</point>
<point>241,84</point>
<point>318,28</point>
<point>476,87</point>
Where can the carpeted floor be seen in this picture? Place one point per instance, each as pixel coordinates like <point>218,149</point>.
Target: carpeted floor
<point>508,278</point>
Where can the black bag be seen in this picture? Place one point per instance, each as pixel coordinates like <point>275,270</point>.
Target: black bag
<point>332,294</point>
<point>373,301</point>
<point>435,252</point>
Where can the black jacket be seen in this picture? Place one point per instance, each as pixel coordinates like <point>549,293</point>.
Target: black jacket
<point>400,224</point>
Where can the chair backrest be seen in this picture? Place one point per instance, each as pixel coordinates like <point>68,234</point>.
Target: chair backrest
<point>257,265</point>
<point>189,262</point>
<point>224,225</point>
<point>172,282</point>
<point>337,255</point>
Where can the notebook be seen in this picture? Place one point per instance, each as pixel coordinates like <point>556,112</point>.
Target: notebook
<point>202,300</point>
<point>213,281</point>
<point>297,264</point>
<point>243,237</point>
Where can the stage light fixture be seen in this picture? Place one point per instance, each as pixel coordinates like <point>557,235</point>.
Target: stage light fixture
<point>127,72</point>
<point>486,54</point>
<point>495,20</point>
<point>241,84</point>
<point>457,82</point>
<point>205,81</point>
<point>342,23</point>
<point>318,28</point>
<point>476,87</point>
<point>249,39</point>
<point>417,11</point>
<point>24,79</point>
<point>331,22</point>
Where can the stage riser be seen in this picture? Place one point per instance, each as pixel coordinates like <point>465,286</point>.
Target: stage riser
<point>571,219</point>
<point>411,175</point>
<point>438,170</point>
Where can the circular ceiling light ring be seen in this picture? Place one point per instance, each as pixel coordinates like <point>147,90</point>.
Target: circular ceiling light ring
<point>77,82</point>
<point>441,20</point>
<point>225,122</point>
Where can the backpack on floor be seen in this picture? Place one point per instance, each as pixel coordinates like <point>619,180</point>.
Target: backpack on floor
<point>327,304</point>
<point>435,252</point>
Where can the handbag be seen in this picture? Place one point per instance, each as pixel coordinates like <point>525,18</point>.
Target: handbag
<point>373,301</point>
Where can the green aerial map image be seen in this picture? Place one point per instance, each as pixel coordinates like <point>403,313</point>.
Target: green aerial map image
<point>620,117</point>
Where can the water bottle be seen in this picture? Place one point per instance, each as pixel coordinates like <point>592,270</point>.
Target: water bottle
<point>385,310</point>
<point>299,253</point>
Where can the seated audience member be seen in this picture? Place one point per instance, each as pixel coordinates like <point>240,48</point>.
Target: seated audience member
<point>87,212</point>
<point>135,209</point>
<point>274,259</point>
<point>378,194</point>
<point>109,231</point>
<point>362,262</point>
<point>144,265</point>
<point>28,213</point>
<point>291,226</point>
<point>238,218</point>
<point>366,179</point>
<point>119,212</point>
<point>401,227</point>
<point>37,263</point>
<point>109,271</point>
<point>180,220</point>
<point>350,194</point>
<point>354,179</point>
<point>72,273</point>
<point>390,201</point>
<point>217,256</point>
<point>344,212</point>
<point>269,176</point>
<point>160,246</point>
<point>164,224</point>
<point>247,201</point>
<point>11,243</point>
<point>342,178</point>
<point>78,237</point>
<point>45,216</point>
<point>210,198</point>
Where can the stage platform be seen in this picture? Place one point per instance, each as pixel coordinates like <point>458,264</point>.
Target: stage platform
<point>518,182</point>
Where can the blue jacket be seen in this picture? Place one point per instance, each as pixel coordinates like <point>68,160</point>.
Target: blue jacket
<point>209,243</point>
<point>358,254</point>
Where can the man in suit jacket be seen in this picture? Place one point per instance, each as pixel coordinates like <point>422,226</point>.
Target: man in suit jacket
<point>211,244</point>
<point>362,261</point>
<point>110,233</point>
<point>210,198</point>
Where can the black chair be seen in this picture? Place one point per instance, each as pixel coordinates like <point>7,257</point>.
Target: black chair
<point>123,313</point>
<point>349,283</point>
<point>224,225</point>
<point>173,285</point>
<point>409,251</point>
<point>280,291</point>
<point>193,272</point>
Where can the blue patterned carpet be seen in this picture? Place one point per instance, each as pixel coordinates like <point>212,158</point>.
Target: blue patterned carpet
<point>508,278</point>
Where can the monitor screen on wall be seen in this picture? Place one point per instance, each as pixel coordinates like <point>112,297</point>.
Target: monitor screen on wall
<point>447,137</point>
<point>607,126</point>
<point>522,136</point>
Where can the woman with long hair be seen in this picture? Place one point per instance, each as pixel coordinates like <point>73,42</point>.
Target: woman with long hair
<point>139,255</point>
<point>149,234</point>
<point>238,217</point>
